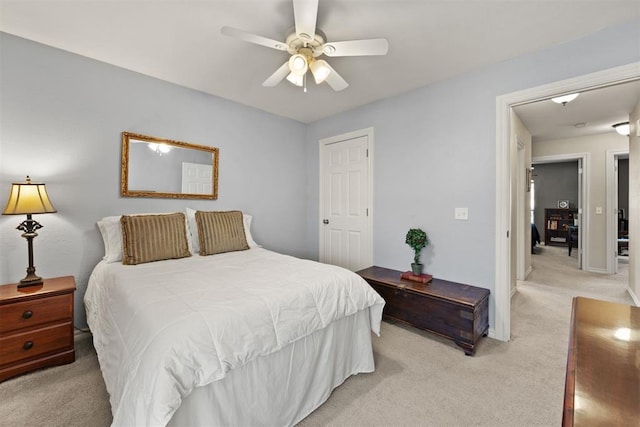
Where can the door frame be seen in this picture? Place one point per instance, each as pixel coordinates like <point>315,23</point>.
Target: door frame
<point>504,180</point>
<point>368,132</point>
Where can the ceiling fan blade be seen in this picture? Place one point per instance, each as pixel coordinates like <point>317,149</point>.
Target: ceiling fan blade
<point>305,13</point>
<point>335,80</point>
<point>278,76</point>
<point>357,48</point>
<point>253,38</point>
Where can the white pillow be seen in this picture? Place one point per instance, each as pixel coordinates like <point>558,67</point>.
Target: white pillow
<point>111,231</point>
<point>193,228</point>
<point>111,237</point>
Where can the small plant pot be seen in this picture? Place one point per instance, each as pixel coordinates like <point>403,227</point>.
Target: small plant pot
<point>416,269</point>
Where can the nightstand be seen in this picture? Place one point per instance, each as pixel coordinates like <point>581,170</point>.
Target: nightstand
<point>36,326</point>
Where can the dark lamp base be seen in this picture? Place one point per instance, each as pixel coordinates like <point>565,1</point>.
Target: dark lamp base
<point>30,280</point>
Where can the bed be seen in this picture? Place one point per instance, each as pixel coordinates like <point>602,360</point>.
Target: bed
<point>247,337</point>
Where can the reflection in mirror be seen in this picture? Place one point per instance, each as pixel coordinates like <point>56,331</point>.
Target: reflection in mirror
<point>156,167</point>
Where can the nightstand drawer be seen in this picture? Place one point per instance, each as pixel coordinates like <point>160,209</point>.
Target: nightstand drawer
<point>35,312</point>
<point>29,344</point>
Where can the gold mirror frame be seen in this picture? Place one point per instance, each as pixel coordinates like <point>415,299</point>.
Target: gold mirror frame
<point>127,137</point>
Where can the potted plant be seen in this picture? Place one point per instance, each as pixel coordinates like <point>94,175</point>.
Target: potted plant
<point>416,239</point>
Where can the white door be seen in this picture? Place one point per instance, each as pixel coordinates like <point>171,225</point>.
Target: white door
<point>197,178</point>
<point>345,200</point>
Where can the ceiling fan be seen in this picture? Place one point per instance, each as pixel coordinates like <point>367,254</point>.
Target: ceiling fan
<point>306,43</point>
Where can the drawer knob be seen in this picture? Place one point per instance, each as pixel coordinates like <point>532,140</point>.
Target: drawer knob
<point>28,345</point>
<point>27,314</point>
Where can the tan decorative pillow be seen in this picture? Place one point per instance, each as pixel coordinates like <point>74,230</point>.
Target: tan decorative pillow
<point>220,232</point>
<point>147,238</point>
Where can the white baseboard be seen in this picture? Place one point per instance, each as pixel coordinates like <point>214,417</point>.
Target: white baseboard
<point>633,296</point>
<point>597,270</point>
<point>514,290</point>
<point>528,272</point>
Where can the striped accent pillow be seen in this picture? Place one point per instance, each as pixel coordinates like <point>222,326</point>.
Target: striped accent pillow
<point>147,238</point>
<point>220,232</point>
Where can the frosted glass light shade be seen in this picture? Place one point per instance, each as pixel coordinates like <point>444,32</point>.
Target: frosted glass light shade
<point>296,79</point>
<point>298,64</point>
<point>565,99</point>
<point>320,70</point>
<point>622,128</point>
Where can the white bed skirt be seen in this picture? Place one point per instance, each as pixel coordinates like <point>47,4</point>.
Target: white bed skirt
<point>282,388</point>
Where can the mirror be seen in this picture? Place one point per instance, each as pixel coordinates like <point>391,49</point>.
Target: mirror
<point>157,167</point>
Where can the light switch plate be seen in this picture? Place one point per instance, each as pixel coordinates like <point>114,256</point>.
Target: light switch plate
<point>598,210</point>
<point>462,214</point>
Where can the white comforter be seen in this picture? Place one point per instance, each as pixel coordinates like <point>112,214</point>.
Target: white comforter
<point>163,328</point>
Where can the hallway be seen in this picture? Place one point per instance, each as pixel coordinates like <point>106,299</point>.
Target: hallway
<point>553,267</point>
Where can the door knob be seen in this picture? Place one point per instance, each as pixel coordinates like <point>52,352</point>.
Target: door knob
<point>325,221</point>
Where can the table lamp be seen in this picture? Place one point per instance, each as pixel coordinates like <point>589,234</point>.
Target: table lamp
<point>29,198</point>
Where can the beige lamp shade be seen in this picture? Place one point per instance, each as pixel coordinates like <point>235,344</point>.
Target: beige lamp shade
<point>28,198</point>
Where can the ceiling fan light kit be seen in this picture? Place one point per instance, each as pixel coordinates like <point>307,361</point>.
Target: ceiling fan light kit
<point>305,42</point>
<point>298,64</point>
<point>320,70</point>
<point>296,79</point>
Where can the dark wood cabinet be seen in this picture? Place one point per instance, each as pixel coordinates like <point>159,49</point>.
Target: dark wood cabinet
<point>453,310</point>
<point>556,225</point>
<point>36,326</point>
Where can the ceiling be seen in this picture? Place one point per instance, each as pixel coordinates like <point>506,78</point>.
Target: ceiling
<point>429,40</point>
<point>592,112</point>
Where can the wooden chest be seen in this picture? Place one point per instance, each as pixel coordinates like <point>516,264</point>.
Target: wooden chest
<point>36,326</point>
<point>452,310</point>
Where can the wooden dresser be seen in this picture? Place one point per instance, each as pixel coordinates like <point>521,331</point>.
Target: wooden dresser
<point>452,310</point>
<point>36,326</point>
<point>602,386</point>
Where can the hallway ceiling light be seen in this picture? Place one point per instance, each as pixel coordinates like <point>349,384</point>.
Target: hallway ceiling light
<point>565,99</point>
<point>622,128</point>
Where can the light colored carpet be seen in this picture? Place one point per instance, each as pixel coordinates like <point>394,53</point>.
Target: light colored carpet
<point>420,380</point>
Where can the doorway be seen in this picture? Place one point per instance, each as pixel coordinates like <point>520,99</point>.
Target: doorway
<point>561,190</point>
<point>505,179</point>
<point>617,172</point>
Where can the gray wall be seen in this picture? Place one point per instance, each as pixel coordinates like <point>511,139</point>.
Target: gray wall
<point>553,182</point>
<point>62,115</point>
<point>435,150</point>
<point>623,186</point>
